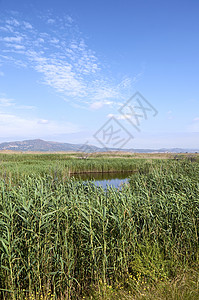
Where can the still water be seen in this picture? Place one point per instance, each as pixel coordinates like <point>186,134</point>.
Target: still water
<point>115,179</point>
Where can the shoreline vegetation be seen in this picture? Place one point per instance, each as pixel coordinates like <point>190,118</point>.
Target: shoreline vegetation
<point>64,239</point>
<point>63,165</point>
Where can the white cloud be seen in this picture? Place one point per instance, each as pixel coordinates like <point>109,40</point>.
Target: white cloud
<point>4,102</point>
<point>19,47</point>
<point>194,125</point>
<point>96,105</point>
<point>110,115</point>
<point>65,62</point>
<point>69,19</point>
<point>59,76</point>
<point>196,119</point>
<point>54,41</point>
<point>27,25</point>
<point>12,60</point>
<point>50,21</point>
<point>13,125</point>
<point>126,83</point>
<point>40,40</point>
<point>105,92</point>
<point>28,107</point>
<point>100,104</point>
<point>43,121</point>
<point>170,115</point>
<point>13,21</point>
<point>7,102</point>
<point>10,39</point>
<point>119,117</point>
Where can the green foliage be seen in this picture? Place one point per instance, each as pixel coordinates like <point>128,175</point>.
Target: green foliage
<point>61,165</point>
<point>61,239</point>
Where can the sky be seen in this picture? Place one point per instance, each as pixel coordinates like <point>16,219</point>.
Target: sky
<point>122,73</point>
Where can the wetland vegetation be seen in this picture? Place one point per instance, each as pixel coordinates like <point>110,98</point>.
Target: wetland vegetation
<point>65,239</point>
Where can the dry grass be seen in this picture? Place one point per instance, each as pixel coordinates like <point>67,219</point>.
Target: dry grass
<point>108,154</point>
<point>183,287</point>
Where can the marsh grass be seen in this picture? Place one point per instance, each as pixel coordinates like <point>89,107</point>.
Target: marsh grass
<point>64,239</point>
<point>61,166</point>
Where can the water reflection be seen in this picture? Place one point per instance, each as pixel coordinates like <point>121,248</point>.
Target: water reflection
<point>115,179</point>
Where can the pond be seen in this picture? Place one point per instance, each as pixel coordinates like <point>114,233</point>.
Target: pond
<point>115,179</point>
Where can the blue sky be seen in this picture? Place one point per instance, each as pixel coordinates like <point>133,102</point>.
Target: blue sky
<point>67,68</point>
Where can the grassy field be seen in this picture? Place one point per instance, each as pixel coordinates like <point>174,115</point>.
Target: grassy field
<point>64,239</point>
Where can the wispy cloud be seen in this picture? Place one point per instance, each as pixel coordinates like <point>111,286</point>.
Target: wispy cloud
<point>119,116</point>
<point>196,119</point>
<point>50,21</point>
<point>170,115</point>
<point>194,125</point>
<point>13,125</point>
<point>12,22</point>
<point>12,39</point>
<point>59,53</point>
<point>27,25</point>
<point>6,102</point>
<point>100,104</point>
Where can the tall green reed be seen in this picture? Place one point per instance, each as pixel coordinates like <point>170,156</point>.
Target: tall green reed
<point>62,236</point>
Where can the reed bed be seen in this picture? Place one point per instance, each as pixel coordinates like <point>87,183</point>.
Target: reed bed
<point>63,239</point>
<point>61,166</point>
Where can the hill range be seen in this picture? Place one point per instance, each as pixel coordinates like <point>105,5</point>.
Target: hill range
<point>38,145</point>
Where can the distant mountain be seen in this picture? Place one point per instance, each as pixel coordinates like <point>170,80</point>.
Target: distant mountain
<point>42,146</point>
<point>39,145</point>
